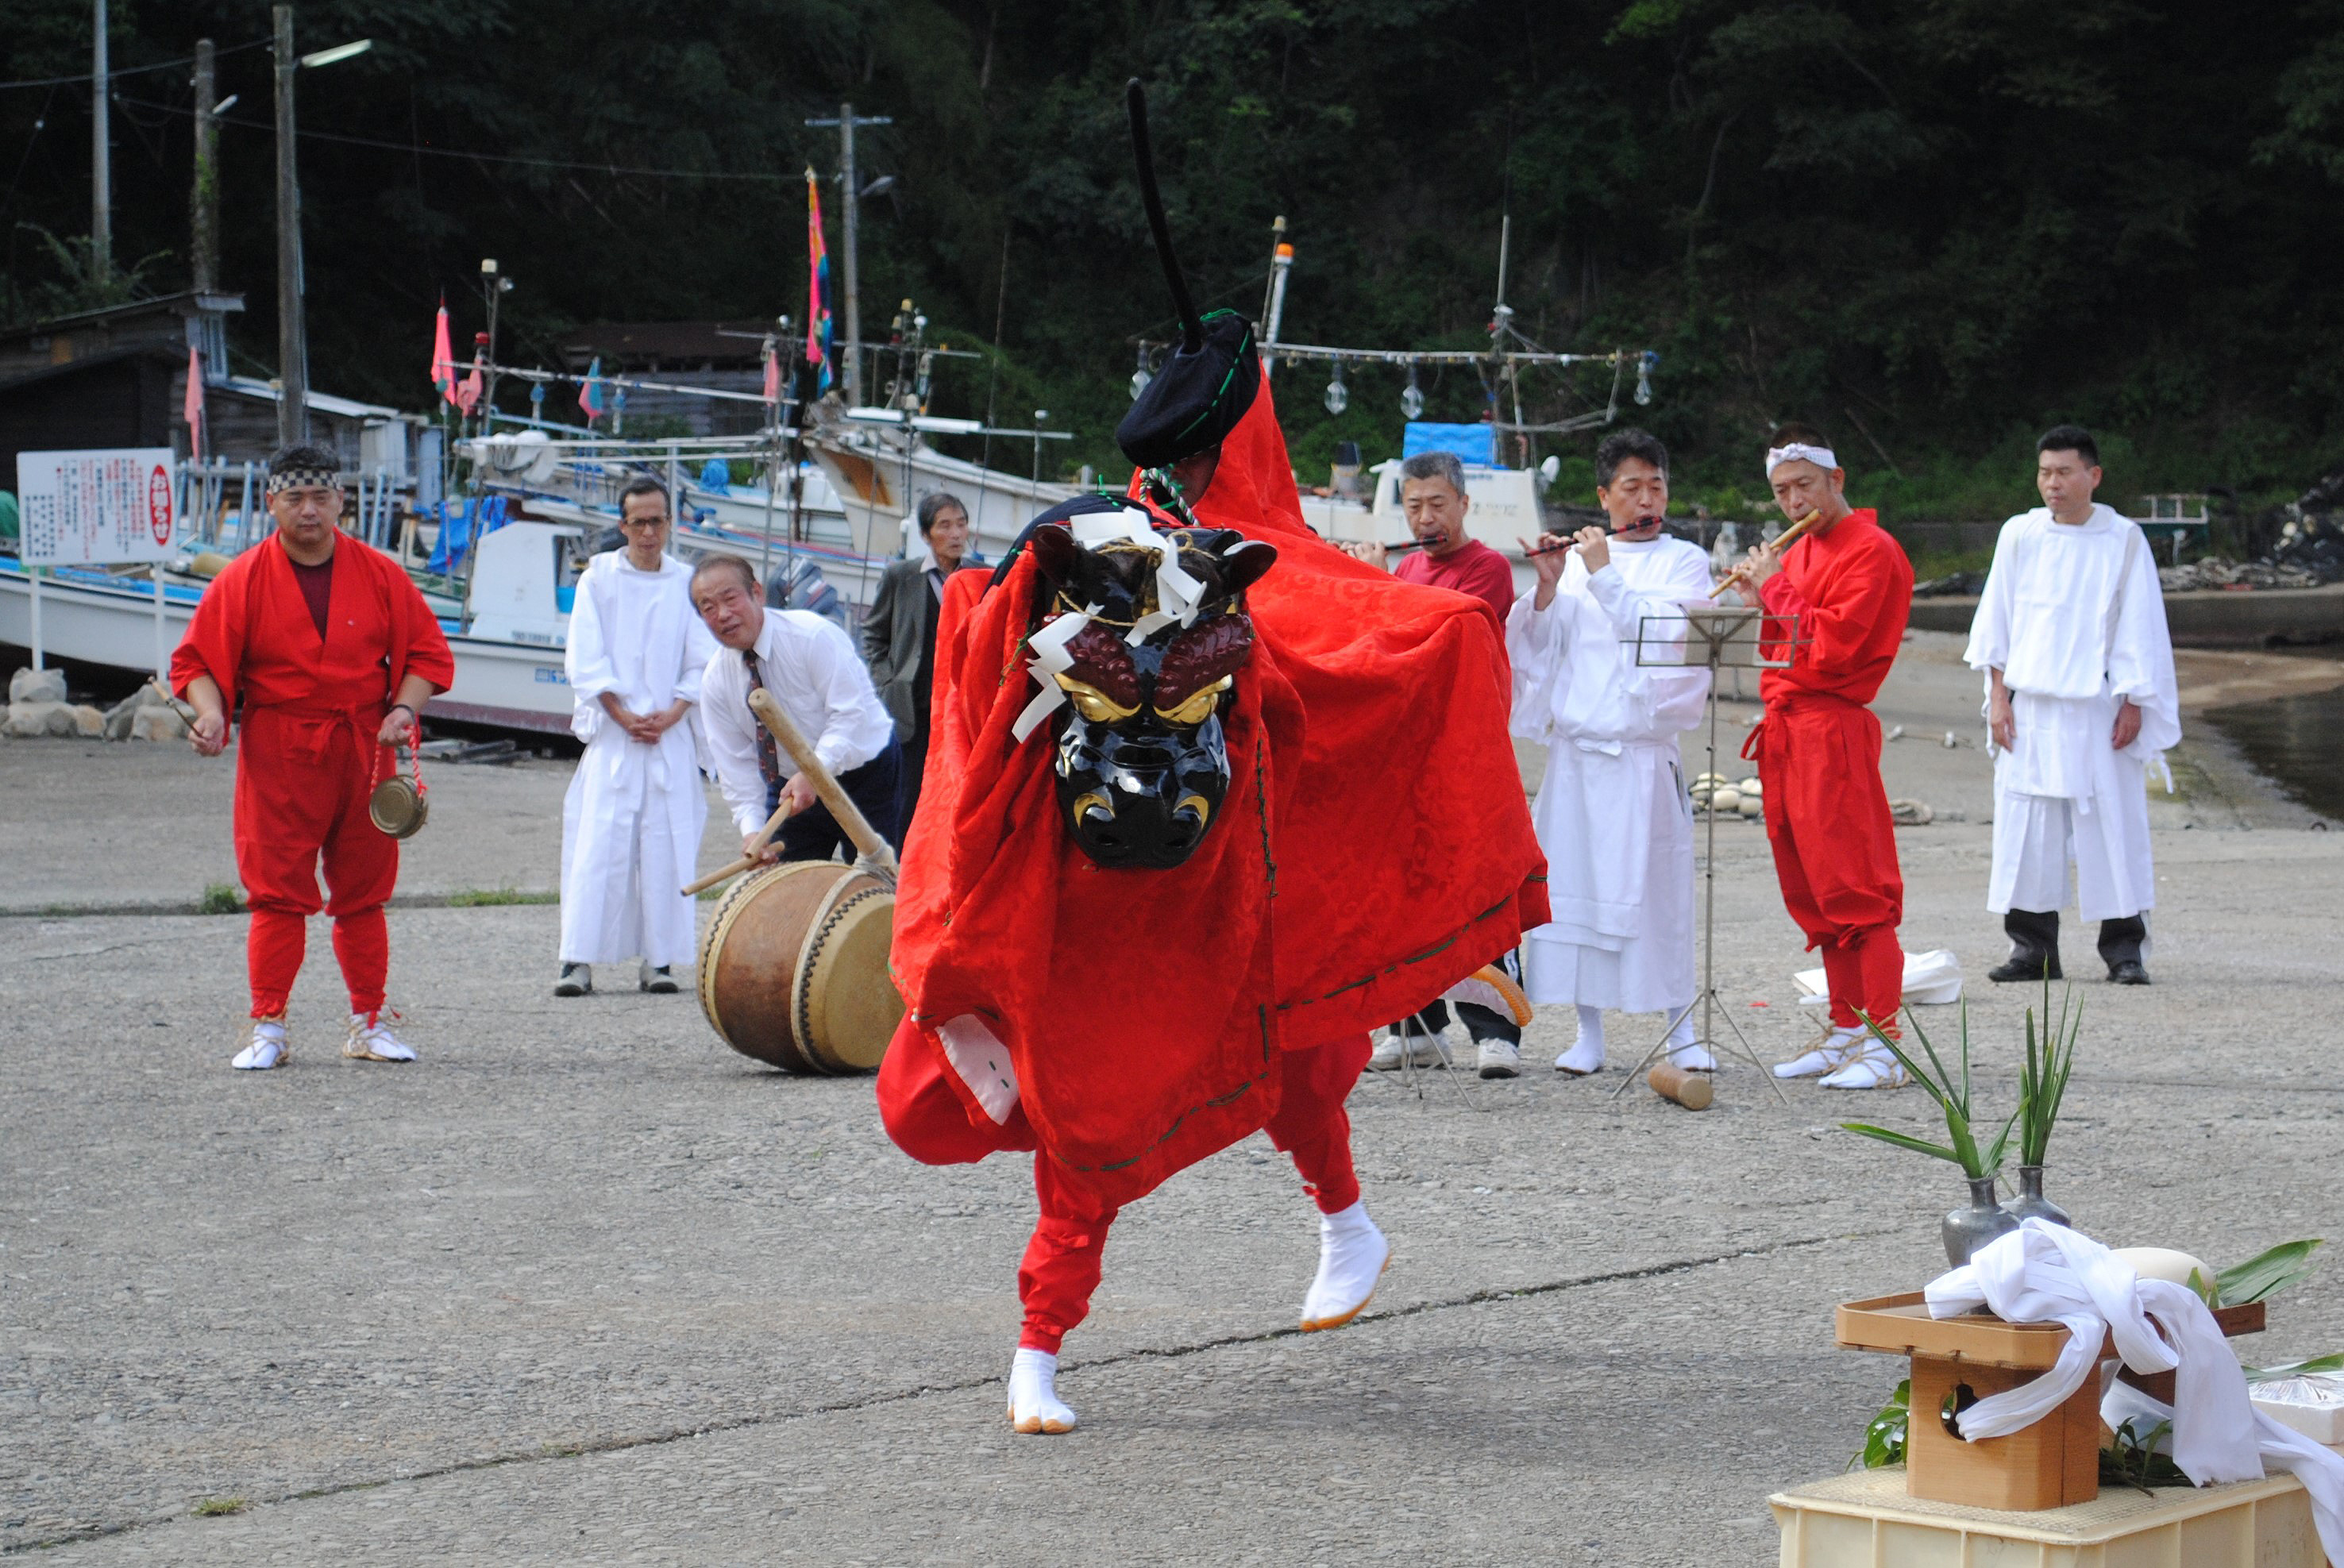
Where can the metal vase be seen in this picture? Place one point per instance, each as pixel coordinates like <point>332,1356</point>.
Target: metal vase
<point>2030,1202</point>
<point>1967,1229</point>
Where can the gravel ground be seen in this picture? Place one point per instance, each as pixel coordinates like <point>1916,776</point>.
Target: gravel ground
<point>586,1287</point>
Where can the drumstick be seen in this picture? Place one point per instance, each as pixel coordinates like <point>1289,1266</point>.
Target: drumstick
<point>826,783</point>
<point>747,862</point>
<point>186,711</point>
<point>1783,541</point>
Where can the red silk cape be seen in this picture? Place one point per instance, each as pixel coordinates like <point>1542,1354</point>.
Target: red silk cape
<point>1375,847</point>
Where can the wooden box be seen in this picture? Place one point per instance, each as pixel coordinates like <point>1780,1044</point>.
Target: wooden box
<point>1957,1362</point>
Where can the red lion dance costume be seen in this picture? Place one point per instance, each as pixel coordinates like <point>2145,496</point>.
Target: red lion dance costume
<point>1329,890</point>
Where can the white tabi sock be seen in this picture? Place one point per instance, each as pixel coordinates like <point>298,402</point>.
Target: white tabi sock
<point>1585,1055</point>
<point>1034,1403</point>
<point>1683,1053</point>
<point>1351,1257</point>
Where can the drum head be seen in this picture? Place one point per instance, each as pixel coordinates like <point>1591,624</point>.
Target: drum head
<point>396,808</point>
<point>852,1007</point>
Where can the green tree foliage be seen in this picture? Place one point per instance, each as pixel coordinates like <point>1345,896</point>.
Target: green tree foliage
<point>1930,225</point>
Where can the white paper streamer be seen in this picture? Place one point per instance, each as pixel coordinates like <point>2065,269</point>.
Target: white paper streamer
<point>980,1059</point>
<point>1050,659</point>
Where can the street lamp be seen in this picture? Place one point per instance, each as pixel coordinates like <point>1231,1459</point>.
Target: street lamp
<point>292,327</point>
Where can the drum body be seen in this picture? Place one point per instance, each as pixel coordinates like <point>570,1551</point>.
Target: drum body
<point>793,968</point>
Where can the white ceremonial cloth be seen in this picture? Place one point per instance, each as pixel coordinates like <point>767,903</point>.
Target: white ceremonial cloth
<point>2046,1273</point>
<point>812,671</point>
<point>1611,813</point>
<point>632,818</point>
<point>2072,647</point>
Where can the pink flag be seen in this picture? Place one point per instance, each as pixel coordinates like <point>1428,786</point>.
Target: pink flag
<point>443,357</point>
<point>772,372</point>
<point>192,410</point>
<point>467,397</point>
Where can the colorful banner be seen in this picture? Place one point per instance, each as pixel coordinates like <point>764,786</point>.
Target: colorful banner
<point>822,333</point>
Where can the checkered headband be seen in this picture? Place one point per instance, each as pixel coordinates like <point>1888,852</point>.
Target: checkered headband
<point>304,479</point>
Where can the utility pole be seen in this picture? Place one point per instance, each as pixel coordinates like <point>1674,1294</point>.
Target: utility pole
<point>203,202</point>
<point>101,169</point>
<point>292,330</point>
<point>846,122</point>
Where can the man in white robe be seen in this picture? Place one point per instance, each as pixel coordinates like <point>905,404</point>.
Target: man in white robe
<point>1612,814</point>
<point>632,822</point>
<point>2081,703</point>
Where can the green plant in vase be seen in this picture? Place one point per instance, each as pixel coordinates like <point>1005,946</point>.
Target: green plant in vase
<point>2042,1086</point>
<point>1965,1229</point>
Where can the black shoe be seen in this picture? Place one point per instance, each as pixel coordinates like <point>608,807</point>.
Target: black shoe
<point>2033,947</point>
<point>577,980</point>
<point>2128,973</point>
<point>658,980</point>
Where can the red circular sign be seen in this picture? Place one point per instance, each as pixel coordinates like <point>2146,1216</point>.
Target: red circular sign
<point>158,504</point>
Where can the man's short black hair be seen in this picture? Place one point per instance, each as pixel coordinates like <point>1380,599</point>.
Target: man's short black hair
<point>643,484</point>
<point>933,505</point>
<point>1619,446</point>
<point>303,457</point>
<point>2071,439</point>
<point>710,565</point>
<point>1795,433</point>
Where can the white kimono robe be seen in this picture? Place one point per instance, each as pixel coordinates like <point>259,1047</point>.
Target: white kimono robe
<point>1611,813</point>
<point>2072,648</point>
<point>632,822</point>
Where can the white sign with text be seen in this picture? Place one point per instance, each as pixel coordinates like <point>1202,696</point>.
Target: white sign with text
<point>102,508</point>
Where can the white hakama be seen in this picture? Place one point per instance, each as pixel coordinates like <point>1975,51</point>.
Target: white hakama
<point>2073,616</point>
<point>632,822</point>
<point>1611,813</point>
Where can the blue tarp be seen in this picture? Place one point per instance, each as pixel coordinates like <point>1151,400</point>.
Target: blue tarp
<point>1472,443</point>
<point>458,530</point>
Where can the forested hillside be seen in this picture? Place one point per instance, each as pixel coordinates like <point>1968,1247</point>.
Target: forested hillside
<point>1933,225</point>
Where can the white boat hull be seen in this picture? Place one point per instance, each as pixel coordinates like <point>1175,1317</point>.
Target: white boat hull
<point>880,485</point>
<point>94,623</point>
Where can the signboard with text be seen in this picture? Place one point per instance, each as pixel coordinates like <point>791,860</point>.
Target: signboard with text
<point>103,507</point>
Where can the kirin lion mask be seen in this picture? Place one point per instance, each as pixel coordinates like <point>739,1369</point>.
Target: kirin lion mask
<point>1159,637</point>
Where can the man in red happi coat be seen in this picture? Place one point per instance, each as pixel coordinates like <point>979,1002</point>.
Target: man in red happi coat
<point>1850,587</point>
<point>332,651</point>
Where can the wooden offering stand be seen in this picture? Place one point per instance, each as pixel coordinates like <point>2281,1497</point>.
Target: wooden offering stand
<point>2051,1464</point>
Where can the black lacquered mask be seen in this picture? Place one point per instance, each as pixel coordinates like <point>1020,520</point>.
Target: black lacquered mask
<point>1142,763</point>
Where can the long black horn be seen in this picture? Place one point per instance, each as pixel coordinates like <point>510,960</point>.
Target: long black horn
<point>1192,331</point>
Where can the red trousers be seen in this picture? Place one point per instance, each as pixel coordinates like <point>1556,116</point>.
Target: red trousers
<point>1835,848</point>
<point>302,780</point>
<point>1062,1262</point>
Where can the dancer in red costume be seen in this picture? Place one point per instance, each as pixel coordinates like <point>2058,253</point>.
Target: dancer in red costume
<point>332,651</point>
<point>1818,752</point>
<point>1332,832</point>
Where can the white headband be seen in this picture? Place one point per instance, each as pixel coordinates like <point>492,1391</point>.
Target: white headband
<point>1820,456</point>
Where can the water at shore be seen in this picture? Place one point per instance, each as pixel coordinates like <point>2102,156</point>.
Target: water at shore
<point>2298,741</point>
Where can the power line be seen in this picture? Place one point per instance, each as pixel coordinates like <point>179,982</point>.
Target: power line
<point>417,149</point>
<point>131,71</point>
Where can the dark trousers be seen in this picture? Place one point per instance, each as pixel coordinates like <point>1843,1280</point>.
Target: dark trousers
<point>875,788</point>
<point>1480,1023</point>
<point>915,767</point>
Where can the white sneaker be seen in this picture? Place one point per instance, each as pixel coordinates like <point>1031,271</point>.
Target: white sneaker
<point>371,1039</point>
<point>1692,1058</point>
<point>1843,1047</point>
<point>1034,1407</point>
<point>1393,1052</point>
<point>1499,1058</point>
<point>266,1048</point>
<point>1352,1254</point>
<point>1872,1068</point>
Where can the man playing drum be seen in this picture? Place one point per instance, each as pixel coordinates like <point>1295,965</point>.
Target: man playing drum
<point>812,669</point>
<point>332,651</point>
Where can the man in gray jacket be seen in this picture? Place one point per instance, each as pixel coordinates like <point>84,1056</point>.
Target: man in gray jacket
<point>899,632</point>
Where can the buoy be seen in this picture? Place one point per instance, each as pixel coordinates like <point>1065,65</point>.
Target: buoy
<point>1727,798</point>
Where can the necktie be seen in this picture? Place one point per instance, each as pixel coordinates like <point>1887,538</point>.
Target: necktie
<point>769,761</point>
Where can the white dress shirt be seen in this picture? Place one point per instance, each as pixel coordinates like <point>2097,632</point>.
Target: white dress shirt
<point>812,671</point>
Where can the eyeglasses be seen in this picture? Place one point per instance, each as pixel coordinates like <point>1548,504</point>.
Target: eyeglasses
<point>655,521</point>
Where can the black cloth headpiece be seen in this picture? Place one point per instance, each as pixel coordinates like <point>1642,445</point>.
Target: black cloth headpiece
<point>1213,376</point>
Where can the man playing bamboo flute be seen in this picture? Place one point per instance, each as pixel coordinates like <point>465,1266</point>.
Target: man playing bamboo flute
<point>332,651</point>
<point>2081,702</point>
<point>1849,589</point>
<point>1612,812</point>
<point>632,822</point>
